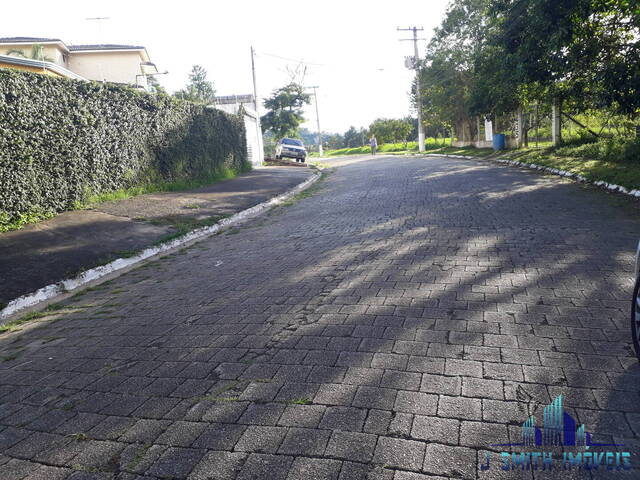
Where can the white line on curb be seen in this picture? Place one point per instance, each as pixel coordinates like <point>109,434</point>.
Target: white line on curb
<point>120,265</point>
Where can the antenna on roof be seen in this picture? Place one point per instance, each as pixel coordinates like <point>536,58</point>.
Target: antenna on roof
<point>100,38</point>
<point>99,20</point>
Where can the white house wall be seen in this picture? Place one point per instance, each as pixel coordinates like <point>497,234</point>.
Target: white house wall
<point>119,67</point>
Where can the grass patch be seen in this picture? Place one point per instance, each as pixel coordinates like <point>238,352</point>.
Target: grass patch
<point>23,219</point>
<point>320,165</point>
<point>467,151</point>
<point>16,324</point>
<point>36,216</point>
<point>309,191</point>
<point>54,309</point>
<point>183,225</point>
<point>409,147</point>
<point>79,437</point>
<point>140,454</point>
<point>126,253</point>
<point>300,401</point>
<point>156,187</point>
<point>621,168</point>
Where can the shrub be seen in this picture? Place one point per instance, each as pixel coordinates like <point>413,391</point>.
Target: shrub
<point>62,141</point>
<point>607,149</point>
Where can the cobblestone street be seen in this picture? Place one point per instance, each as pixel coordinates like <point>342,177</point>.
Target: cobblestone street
<point>397,323</point>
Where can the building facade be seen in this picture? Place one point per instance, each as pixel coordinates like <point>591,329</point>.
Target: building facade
<point>124,64</point>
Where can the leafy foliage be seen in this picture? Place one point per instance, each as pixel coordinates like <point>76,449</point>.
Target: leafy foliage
<point>284,107</point>
<point>390,130</point>
<point>583,51</point>
<point>490,57</point>
<point>199,89</point>
<point>62,141</point>
<point>353,138</point>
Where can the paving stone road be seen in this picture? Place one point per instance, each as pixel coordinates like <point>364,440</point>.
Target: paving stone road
<point>396,324</point>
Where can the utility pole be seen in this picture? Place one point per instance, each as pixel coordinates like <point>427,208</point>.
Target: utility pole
<point>257,105</point>
<point>415,39</point>
<point>253,72</point>
<point>315,96</point>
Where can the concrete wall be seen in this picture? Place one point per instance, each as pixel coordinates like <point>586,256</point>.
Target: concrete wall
<point>477,143</point>
<point>119,67</point>
<point>255,147</point>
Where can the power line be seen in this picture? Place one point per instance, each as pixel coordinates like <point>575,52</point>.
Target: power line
<point>291,59</point>
<point>330,65</point>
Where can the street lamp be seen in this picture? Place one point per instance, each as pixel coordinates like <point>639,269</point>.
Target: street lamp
<point>315,96</point>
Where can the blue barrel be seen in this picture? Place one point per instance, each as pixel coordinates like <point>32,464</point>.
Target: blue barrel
<point>499,141</point>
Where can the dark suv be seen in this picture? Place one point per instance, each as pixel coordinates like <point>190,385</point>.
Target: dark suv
<point>291,148</point>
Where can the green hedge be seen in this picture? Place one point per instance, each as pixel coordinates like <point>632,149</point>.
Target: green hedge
<point>62,141</point>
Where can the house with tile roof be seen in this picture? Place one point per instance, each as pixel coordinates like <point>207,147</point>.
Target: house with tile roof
<point>124,64</point>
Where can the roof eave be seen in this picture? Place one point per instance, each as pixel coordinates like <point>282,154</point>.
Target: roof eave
<point>53,42</point>
<point>40,64</point>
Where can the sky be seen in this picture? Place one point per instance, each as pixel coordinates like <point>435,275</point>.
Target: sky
<point>350,48</point>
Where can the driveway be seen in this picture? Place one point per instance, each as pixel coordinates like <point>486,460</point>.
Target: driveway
<point>402,322</point>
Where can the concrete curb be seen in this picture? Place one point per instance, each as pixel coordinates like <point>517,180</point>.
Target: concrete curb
<point>612,187</point>
<point>94,276</point>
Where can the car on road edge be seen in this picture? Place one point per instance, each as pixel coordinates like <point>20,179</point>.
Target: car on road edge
<point>291,148</point>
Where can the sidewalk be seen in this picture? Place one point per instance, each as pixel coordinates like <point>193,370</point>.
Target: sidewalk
<point>50,251</point>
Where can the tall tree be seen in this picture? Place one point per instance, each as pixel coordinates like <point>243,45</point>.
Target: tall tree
<point>447,74</point>
<point>352,138</point>
<point>583,51</point>
<point>199,89</point>
<point>284,114</point>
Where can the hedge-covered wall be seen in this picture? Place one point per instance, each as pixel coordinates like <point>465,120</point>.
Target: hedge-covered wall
<point>64,140</point>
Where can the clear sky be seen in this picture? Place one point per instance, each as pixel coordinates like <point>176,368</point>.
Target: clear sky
<point>351,47</point>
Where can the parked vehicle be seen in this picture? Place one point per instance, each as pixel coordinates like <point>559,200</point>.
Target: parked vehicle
<point>291,148</point>
<point>635,308</point>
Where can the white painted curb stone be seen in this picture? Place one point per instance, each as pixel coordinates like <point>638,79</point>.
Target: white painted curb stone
<point>120,265</point>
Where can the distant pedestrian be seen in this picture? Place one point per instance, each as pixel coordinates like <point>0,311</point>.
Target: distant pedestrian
<point>374,144</point>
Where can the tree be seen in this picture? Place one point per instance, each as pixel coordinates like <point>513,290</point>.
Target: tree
<point>155,85</point>
<point>284,114</point>
<point>199,89</point>
<point>391,130</point>
<point>447,74</point>
<point>352,138</point>
<point>381,129</point>
<point>401,130</point>
<point>583,51</point>
<point>334,141</point>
